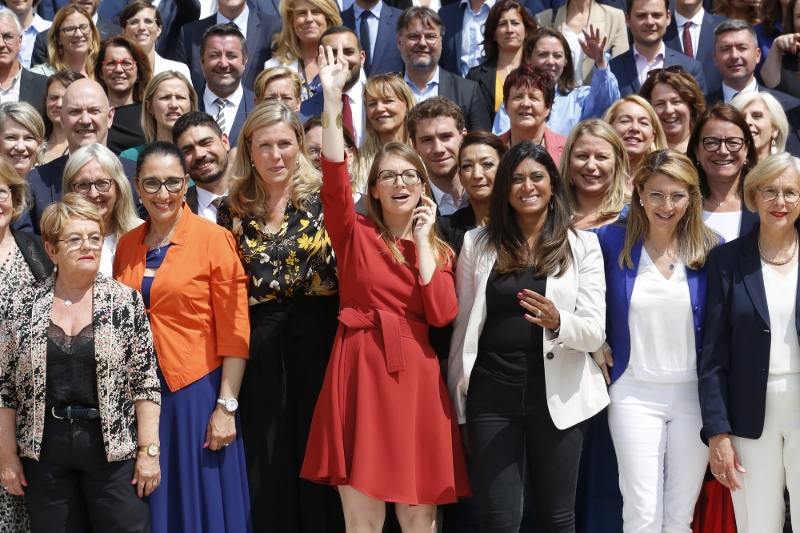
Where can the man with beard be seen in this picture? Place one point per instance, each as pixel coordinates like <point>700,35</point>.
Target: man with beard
<point>353,94</point>
<point>205,148</point>
<point>419,38</point>
<point>223,57</point>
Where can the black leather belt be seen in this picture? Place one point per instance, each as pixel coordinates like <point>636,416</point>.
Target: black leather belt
<point>75,413</point>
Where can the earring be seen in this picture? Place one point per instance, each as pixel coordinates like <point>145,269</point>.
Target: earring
<point>252,164</point>
<point>641,203</point>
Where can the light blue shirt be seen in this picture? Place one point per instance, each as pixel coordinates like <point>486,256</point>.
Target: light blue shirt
<point>240,21</point>
<point>472,35</point>
<point>29,38</point>
<point>431,90</point>
<point>589,101</point>
<point>372,24</point>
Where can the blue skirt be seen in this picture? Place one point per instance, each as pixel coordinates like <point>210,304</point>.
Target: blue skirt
<point>201,490</point>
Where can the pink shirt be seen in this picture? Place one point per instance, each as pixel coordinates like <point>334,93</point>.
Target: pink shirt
<point>643,66</point>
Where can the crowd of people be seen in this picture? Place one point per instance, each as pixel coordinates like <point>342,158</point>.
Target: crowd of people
<point>434,266</point>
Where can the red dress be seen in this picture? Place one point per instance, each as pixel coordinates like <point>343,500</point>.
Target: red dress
<point>384,422</point>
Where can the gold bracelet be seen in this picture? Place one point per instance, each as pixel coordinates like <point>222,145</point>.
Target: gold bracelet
<point>326,120</point>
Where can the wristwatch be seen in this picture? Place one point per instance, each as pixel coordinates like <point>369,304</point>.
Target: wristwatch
<point>151,450</point>
<point>230,404</point>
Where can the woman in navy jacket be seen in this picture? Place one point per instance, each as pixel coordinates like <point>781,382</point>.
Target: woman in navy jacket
<point>656,284</point>
<point>749,372</point>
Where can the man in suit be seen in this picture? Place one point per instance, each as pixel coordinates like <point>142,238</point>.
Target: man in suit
<point>87,118</point>
<point>419,38</point>
<point>736,54</point>
<point>691,32</point>
<point>206,149</point>
<point>32,25</point>
<point>648,21</point>
<point>256,28</point>
<point>175,14</point>
<point>374,23</point>
<point>462,42</point>
<point>104,28</point>
<point>16,83</point>
<point>353,114</point>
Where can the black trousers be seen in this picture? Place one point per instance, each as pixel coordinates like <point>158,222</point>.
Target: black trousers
<point>73,488</point>
<point>510,431</point>
<point>290,345</point>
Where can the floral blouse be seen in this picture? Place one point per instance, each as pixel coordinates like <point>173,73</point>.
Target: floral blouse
<point>297,258</point>
<point>19,275</point>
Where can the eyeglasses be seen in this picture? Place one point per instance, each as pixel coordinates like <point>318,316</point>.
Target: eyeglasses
<point>9,38</point>
<point>678,199</point>
<point>387,178</point>
<point>733,144</point>
<point>73,243</point>
<point>148,23</point>
<point>69,31</point>
<point>771,193</point>
<point>4,194</point>
<point>83,188</point>
<point>675,69</point>
<point>153,185</point>
<point>126,63</point>
<point>430,38</point>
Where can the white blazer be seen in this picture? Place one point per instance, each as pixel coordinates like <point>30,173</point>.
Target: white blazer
<point>575,386</point>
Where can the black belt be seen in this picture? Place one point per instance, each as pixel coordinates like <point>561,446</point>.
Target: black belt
<point>75,413</point>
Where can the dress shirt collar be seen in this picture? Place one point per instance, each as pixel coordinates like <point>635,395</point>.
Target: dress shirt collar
<point>662,52</point>
<point>95,18</point>
<point>455,204</point>
<point>697,20</point>
<point>204,197</point>
<point>728,92</point>
<point>39,24</point>
<point>356,92</point>
<point>434,80</point>
<point>488,4</point>
<point>375,10</point>
<point>240,21</point>
<point>15,81</point>
<point>233,100</point>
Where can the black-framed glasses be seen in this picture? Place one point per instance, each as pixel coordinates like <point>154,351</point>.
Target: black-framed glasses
<point>4,194</point>
<point>148,23</point>
<point>127,63</point>
<point>410,177</point>
<point>153,185</point>
<point>84,187</point>
<point>70,31</point>
<point>733,144</point>
<point>75,242</point>
<point>677,199</point>
<point>675,69</point>
<point>769,194</point>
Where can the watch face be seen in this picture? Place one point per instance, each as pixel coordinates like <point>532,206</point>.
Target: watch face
<point>152,450</point>
<point>231,405</point>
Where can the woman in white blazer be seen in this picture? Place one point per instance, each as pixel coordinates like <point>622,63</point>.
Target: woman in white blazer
<point>531,296</point>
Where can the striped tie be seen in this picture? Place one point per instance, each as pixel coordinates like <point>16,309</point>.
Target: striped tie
<point>220,118</point>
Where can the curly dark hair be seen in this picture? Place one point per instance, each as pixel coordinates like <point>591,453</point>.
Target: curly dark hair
<point>526,76</point>
<point>490,47</point>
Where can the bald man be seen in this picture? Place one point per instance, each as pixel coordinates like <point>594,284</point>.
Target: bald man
<point>86,116</point>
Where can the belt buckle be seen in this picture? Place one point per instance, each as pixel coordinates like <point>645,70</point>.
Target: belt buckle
<point>53,411</point>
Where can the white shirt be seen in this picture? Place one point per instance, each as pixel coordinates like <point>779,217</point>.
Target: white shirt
<point>431,89</point>
<point>240,21</point>
<point>661,325</point>
<point>446,203</point>
<point>729,93</point>
<point>472,35</point>
<point>726,224</point>
<point>29,38</point>
<point>204,207</point>
<point>161,65</point>
<point>784,349</point>
<point>574,42</point>
<point>230,108</point>
<point>372,24</point>
<point>12,93</point>
<point>435,5</point>
<point>694,29</point>
<point>356,96</point>
<point>107,255</point>
<point>643,66</point>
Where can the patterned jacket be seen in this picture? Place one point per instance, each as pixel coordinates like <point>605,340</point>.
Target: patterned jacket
<point>124,354</point>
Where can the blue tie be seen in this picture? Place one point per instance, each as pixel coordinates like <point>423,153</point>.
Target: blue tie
<point>365,41</point>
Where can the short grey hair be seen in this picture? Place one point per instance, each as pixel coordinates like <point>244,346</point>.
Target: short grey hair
<point>766,172</point>
<point>10,15</point>
<point>776,113</point>
<point>426,14</point>
<point>735,25</point>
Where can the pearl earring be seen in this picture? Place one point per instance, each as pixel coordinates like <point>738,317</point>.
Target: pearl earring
<point>641,203</point>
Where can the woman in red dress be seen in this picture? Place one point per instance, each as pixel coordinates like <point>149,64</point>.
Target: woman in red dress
<point>384,428</point>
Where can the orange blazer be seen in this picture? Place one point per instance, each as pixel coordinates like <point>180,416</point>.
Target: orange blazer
<point>198,301</point>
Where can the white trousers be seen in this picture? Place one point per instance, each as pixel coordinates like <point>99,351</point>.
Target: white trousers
<point>772,462</point>
<point>662,461</point>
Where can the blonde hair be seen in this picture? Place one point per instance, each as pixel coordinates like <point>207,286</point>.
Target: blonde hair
<point>123,216</point>
<point>277,73</point>
<point>17,185</point>
<point>286,44</point>
<point>777,116</point>
<point>26,116</point>
<point>659,139</point>
<point>384,86</point>
<point>148,120</point>
<point>248,196</point>
<point>55,56</point>
<point>695,238</point>
<point>56,216</point>
<point>767,171</point>
<point>616,196</point>
<point>442,253</point>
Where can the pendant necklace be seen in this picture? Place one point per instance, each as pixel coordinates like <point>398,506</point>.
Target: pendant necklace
<point>720,204</point>
<point>671,264</point>
<point>162,242</point>
<point>67,301</point>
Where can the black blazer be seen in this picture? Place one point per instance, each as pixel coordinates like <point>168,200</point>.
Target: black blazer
<point>33,89</point>
<point>467,95</point>
<point>245,107</point>
<point>454,226</point>
<point>485,75</point>
<point>386,55</point>
<point>705,47</point>
<point>39,55</point>
<point>734,365</point>
<point>33,251</point>
<point>44,183</point>
<point>624,68</point>
<point>260,29</point>
<point>191,198</point>
<point>786,101</point>
<point>175,14</point>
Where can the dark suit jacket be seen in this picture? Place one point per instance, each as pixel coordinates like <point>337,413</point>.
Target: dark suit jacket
<point>734,365</point>
<point>39,55</point>
<point>108,10</point>
<point>624,68</point>
<point>175,14</point>
<point>467,95</point>
<point>245,107</point>
<point>44,183</point>
<point>386,56</point>
<point>33,251</point>
<point>33,89</point>
<point>786,101</point>
<point>260,29</point>
<point>485,75</point>
<point>705,47</point>
<point>191,198</point>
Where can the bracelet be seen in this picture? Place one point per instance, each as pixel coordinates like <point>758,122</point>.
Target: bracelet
<point>326,120</point>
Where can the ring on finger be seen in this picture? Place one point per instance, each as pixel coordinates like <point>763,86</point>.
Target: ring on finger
<point>722,476</point>
<point>538,312</point>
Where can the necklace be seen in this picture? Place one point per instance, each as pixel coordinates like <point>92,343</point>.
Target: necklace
<point>68,301</point>
<point>720,204</point>
<point>8,257</point>
<point>671,264</point>
<point>779,263</point>
<point>162,242</point>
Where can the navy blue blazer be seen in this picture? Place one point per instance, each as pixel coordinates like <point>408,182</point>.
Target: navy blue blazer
<point>619,288</point>
<point>260,29</point>
<point>44,183</point>
<point>174,16</point>
<point>787,102</point>
<point>245,107</point>
<point>386,56</point>
<point>705,47</point>
<point>624,68</point>
<point>734,366</point>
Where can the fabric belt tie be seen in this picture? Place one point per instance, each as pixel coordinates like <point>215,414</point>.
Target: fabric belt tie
<point>392,329</point>
<point>75,413</point>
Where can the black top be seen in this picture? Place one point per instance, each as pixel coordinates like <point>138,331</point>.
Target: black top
<point>789,83</point>
<point>71,368</point>
<point>126,129</point>
<point>510,347</point>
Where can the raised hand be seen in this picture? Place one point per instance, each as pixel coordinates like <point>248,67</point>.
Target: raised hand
<point>423,220</point>
<point>594,45</point>
<point>788,43</point>
<point>333,70</point>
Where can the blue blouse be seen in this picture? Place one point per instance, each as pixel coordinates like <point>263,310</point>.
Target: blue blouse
<point>153,259</point>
